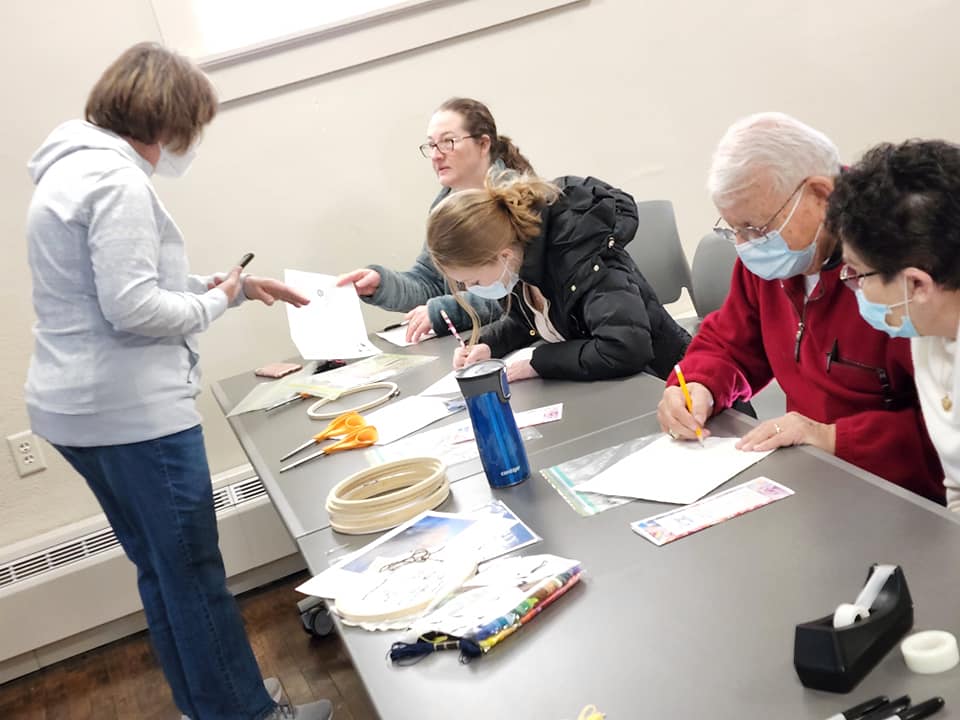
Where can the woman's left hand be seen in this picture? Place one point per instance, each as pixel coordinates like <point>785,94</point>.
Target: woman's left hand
<point>520,370</point>
<point>268,291</point>
<point>791,429</point>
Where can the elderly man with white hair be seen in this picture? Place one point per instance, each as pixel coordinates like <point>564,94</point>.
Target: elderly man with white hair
<point>788,316</point>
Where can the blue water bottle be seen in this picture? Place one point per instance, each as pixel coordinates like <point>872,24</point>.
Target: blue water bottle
<point>485,389</point>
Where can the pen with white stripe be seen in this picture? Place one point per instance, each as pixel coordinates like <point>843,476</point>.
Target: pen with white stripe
<point>890,710</point>
<point>918,712</point>
<point>858,711</point>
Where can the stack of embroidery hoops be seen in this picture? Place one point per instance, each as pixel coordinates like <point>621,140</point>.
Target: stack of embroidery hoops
<point>382,497</point>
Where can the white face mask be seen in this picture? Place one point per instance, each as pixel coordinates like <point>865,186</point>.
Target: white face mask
<point>173,165</point>
<point>499,289</point>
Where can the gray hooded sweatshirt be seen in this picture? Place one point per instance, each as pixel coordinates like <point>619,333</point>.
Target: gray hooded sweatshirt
<point>115,353</point>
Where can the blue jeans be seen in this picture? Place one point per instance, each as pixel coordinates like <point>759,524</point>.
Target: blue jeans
<point>158,498</point>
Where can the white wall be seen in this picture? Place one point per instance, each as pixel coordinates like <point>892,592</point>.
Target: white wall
<point>326,176</point>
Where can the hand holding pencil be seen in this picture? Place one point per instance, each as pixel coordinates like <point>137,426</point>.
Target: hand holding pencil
<point>684,409</point>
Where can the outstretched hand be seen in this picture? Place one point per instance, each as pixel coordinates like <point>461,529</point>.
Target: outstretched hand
<point>269,290</point>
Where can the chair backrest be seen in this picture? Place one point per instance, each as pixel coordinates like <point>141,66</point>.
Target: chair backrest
<point>712,267</point>
<point>657,251</point>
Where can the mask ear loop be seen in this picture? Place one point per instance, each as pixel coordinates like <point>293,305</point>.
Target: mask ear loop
<point>906,302</point>
<point>796,204</point>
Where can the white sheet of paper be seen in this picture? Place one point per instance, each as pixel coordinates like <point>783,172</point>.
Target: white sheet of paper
<point>406,416</point>
<point>673,472</point>
<point>398,336</point>
<point>331,326</point>
<point>524,353</point>
<point>447,385</point>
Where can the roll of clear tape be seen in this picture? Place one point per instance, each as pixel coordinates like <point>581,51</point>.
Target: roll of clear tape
<point>930,652</point>
<point>847,614</point>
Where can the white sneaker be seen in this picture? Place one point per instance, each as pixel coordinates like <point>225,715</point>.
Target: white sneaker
<point>319,710</point>
<point>273,687</point>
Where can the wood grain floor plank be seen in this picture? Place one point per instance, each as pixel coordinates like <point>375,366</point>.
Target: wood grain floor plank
<point>122,681</point>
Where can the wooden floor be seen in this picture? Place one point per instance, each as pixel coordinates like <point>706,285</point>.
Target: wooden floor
<point>122,681</point>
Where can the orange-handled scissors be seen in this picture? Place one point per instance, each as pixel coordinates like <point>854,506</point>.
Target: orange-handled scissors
<point>360,438</point>
<point>338,426</point>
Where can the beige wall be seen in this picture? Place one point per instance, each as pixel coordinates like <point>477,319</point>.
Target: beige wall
<point>325,175</point>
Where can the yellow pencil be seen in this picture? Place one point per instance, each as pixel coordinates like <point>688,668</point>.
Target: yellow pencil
<point>686,395</point>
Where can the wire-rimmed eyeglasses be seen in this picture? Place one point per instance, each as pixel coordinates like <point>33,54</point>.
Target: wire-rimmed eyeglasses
<point>447,145</point>
<point>751,232</point>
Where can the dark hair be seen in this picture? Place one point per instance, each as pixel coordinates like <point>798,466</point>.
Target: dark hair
<point>899,207</point>
<point>478,120</point>
<point>152,94</point>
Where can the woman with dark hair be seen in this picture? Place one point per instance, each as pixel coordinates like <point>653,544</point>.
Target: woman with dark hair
<point>463,145</point>
<point>114,371</point>
<point>556,253</point>
<point>897,212</point>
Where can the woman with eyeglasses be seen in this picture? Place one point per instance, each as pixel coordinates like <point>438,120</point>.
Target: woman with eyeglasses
<point>462,145</point>
<point>556,252</point>
<point>897,213</point>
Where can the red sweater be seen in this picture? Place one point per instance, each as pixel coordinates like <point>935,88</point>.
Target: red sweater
<point>753,339</point>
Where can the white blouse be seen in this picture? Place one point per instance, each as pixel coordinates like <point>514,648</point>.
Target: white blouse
<point>938,385</point>
<point>541,318</point>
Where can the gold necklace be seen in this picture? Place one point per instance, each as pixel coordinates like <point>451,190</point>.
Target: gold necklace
<point>946,401</point>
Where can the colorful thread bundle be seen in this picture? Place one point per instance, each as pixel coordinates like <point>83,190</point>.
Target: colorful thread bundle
<point>480,640</point>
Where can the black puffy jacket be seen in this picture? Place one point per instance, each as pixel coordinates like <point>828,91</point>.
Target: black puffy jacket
<point>610,316</point>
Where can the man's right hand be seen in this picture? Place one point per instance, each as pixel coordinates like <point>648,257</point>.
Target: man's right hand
<point>676,420</point>
<point>365,280</point>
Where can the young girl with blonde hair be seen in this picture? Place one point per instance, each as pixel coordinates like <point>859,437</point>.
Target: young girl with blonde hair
<point>556,252</point>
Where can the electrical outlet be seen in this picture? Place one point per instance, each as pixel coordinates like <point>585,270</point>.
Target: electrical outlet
<point>26,452</point>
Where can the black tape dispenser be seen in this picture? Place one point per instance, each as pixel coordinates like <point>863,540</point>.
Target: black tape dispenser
<point>835,652</point>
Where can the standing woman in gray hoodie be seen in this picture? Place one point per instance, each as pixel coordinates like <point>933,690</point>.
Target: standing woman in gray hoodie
<point>114,371</point>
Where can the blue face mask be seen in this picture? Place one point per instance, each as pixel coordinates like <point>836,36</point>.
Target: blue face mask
<point>498,289</point>
<point>876,315</point>
<point>769,256</point>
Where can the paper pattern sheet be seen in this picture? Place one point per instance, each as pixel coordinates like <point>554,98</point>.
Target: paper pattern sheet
<point>480,535</point>
<point>331,326</point>
<point>674,472</point>
<point>680,522</point>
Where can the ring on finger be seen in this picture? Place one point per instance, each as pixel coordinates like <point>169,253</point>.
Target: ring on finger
<point>674,434</point>
<point>777,427</point>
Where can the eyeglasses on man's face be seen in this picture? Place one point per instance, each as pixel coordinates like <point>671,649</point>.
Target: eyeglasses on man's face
<point>447,145</point>
<point>852,279</point>
<point>751,232</point>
